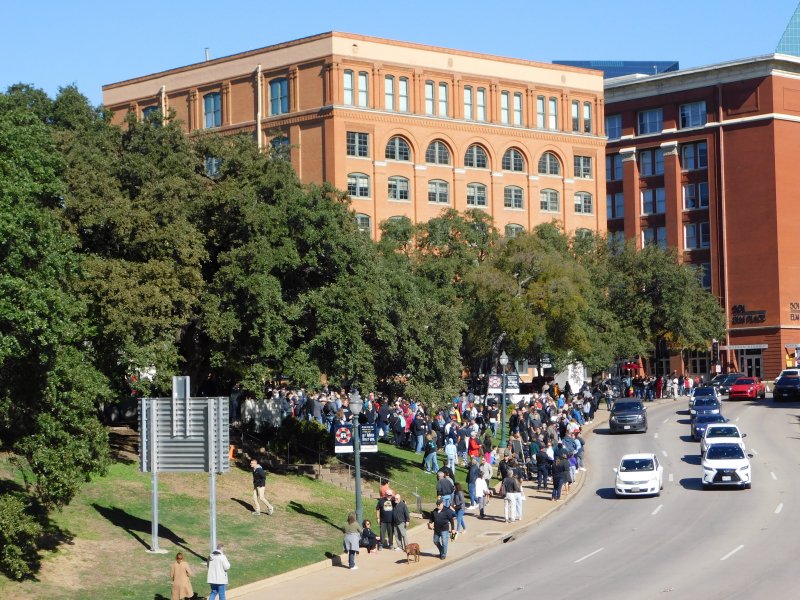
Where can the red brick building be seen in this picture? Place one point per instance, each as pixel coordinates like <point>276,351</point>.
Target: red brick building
<point>705,160</point>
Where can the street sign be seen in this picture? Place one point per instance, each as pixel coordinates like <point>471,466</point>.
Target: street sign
<point>496,384</point>
<point>343,438</point>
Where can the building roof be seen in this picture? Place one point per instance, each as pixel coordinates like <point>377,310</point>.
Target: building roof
<point>618,68</point>
<point>790,41</point>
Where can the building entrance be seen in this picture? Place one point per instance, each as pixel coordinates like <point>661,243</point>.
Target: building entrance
<point>750,362</point>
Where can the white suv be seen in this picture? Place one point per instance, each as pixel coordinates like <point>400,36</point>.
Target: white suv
<point>639,475</point>
<point>726,464</point>
<point>721,433</point>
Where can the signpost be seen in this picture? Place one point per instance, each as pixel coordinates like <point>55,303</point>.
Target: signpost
<point>182,434</point>
<point>343,438</point>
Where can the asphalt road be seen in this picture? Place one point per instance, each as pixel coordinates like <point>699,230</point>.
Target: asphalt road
<point>687,543</point>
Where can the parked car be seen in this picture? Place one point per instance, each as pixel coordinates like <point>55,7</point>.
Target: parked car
<point>724,386</point>
<point>701,422</point>
<point>628,415</point>
<point>705,405</point>
<point>787,385</point>
<point>726,464</point>
<point>721,433</point>
<point>748,387</point>
<point>639,475</point>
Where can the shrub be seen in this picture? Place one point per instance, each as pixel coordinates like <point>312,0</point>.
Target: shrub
<point>19,530</point>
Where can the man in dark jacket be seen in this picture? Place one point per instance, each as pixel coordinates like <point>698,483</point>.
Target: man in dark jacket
<point>259,483</point>
<point>442,521</point>
<point>542,469</point>
<point>384,513</point>
<point>472,477</point>
<point>400,520</point>
<point>419,427</point>
<point>445,488</point>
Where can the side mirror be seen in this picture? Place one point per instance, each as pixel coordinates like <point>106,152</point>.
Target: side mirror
<point>616,470</point>
<point>744,435</point>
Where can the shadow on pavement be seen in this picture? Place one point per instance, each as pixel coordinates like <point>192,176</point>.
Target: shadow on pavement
<point>606,493</point>
<point>688,438</point>
<point>336,560</point>
<point>685,421</point>
<point>134,526</point>
<point>299,508</point>
<point>692,483</point>
<point>691,459</point>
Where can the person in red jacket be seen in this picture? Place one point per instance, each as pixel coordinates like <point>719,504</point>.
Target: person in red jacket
<point>474,446</point>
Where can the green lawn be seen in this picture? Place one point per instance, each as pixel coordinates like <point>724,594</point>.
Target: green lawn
<point>108,527</point>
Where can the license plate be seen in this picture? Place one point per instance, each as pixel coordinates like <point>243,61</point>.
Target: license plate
<point>634,489</point>
<point>626,426</point>
<point>726,478</point>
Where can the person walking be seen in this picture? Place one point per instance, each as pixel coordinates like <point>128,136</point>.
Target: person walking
<point>482,494</point>
<point>472,476</point>
<point>441,522</point>
<point>510,488</point>
<point>450,453</point>
<point>560,475</point>
<point>218,567</point>
<point>352,539</point>
<point>445,488</point>
<point>259,484</point>
<point>384,514</point>
<point>430,460</point>
<point>459,505</point>
<point>400,520</point>
<point>180,573</point>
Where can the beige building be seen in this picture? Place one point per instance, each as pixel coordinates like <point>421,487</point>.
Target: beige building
<point>407,129</point>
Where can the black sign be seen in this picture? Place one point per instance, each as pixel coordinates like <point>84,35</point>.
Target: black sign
<point>741,316</point>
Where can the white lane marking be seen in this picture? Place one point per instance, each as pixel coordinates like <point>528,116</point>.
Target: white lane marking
<point>665,420</point>
<point>753,450</point>
<point>658,508</point>
<point>737,419</point>
<point>779,508</point>
<point>732,552</point>
<point>655,435</point>
<point>774,477</point>
<point>664,452</point>
<point>670,478</point>
<point>589,555</point>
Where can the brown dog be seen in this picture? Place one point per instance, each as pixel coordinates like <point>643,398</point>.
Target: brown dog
<point>412,550</point>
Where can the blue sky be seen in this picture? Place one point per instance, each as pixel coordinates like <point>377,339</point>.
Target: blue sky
<point>52,43</point>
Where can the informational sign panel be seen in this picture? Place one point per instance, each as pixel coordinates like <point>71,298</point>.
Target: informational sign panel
<point>343,438</point>
<point>184,435</point>
<point>496,384</point>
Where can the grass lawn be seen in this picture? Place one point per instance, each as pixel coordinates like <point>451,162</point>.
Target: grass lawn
<point>109,526</point>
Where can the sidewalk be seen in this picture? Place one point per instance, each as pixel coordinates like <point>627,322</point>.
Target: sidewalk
<point>324,581</point>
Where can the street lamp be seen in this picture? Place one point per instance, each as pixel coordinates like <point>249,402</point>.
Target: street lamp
<point>503,363</point>
<point>356,404</point>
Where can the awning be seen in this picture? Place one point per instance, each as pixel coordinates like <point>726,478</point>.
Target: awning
<point>746,347</point>
<point>791,346</point>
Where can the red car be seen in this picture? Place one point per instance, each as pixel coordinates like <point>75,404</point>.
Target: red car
<point>748,387</point>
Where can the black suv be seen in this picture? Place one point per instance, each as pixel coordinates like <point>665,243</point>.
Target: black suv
<point>628,415</point>
<point>787,386</point>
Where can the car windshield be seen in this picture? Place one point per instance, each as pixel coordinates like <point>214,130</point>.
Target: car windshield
<point>718,379</point>
<point>703,391</point>
<point>709,419</point>
<point>790,378</point>
<point>637,464</point>
<point>731,378</point>
<point>744,381</point>
<point>625,406</point>
<point>723,432</point>
<point>724,452</point>
<point>705,402</point>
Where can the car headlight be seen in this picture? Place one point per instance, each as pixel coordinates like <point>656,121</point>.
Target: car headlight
<point>744,468</point>
<point>709,469</point>
<point>750,389</point>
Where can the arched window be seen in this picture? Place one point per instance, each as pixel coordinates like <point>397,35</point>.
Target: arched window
<point>476,194</point>
<point>358,185</point>
<point>437,154</point>
<point>397,149</point>
<point>548,201</point>
<point>438,192</point>
<point>212,110</point>
<point>280,147</point>
<point>349,87</point>
<point>549,164</point>
<point>583,203</point>
<point>513,230</point>
<point>278,96</point>
<point>513,160</point>
<point>584,234</point>
<point>513,197</point>
<point>398,188</point>
<point>475,157</point>
<point>364,223</point>
<point>147,111</point>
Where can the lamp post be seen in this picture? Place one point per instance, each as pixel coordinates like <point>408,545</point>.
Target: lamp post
<point>503,363</point>
<point>356,404</point>
<point>539,343</point>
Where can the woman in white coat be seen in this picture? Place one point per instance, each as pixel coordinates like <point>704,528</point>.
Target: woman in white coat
<point>218,566</point>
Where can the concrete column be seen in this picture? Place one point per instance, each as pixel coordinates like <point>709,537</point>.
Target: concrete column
<point>674,196</point>
<point>193,121</point>
<point>226,103</point>
<point>630,185</point>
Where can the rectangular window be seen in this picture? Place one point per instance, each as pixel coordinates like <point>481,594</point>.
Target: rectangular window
<point>363,89</point>
<point>429,89</point>
<point>705,276</point>
<point>655,236</point>
<point>614,126</point>
<point>613,167</point>
<point>552,116</point>
<point>468,103</point>
<point>654,201</point>
<point>279,96</point>
<point>388,89</point>
<point>504,108</point>
<point>512,198</point>
<point>651,121</point>
<point>403,95</point>
<point>481,104</point>
<point>587,117</point>
<point>357,144</point>
<point>651,162</point>
<point>476,194</point>
<point>693,114</point>
<point>443,101</point>
<point>398,188</point>
<point>212,110</point>
<point>576,115</point>
<point>695,195</point>
<point>694,156</point>
<point>540,113</point>
<point>438,192</point>
<point>615,205</point>
<point>517,109</point>
<point>349,99</point>
<point>583,167</point>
